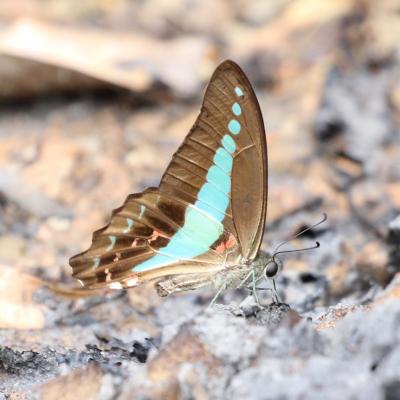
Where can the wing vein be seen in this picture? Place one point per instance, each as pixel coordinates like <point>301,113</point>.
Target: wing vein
<point>211,127</point>
<point>181,180</point>
<point>191,162</point>
<point>203,144</point>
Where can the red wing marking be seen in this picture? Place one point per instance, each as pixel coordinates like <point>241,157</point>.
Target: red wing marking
<point>231,242</point>
<point>223,246</point>
<point>220,249</point>
<point>156,234</point>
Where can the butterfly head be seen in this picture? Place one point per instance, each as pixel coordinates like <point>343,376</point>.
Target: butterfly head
<point>274,265</point>
<point>267,265</point>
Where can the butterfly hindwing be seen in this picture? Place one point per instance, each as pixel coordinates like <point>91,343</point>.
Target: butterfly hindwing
<point>138,235</point>
<point>209,209</point>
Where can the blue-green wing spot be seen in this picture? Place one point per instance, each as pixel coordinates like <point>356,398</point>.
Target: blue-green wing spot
<point>239,91</point>
<point>236,109</point>
<point>223,159</point>
<point>96,262</point>
<point>128,228</point>
<point>210,195</point>
<point>234,126</point>
<point>203,220</point>
<point>112,243</point>
<point>212,211</point>
<point>229,144</point>
<point>218,178</point>
<point>200,225</point>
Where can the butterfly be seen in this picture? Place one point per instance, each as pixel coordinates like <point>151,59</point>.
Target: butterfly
<point>204,223</point>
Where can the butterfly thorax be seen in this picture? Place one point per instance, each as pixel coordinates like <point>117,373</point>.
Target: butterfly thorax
<point>228,277</point>
<point>242,275</point>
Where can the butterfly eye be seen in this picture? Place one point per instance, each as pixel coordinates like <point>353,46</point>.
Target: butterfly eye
<point>271,269</point>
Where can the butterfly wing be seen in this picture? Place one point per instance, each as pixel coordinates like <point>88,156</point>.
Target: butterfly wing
<point>209,209</point>
<point>226,152</point>
<point>136,240</point>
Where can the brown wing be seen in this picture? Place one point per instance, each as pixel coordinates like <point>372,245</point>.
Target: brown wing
<point>229,97</point>
<point>209,209</point>
<point>250,171</point>
<point>137,232</point>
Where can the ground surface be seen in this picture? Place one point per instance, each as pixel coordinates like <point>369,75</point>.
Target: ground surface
<point>83,128</point>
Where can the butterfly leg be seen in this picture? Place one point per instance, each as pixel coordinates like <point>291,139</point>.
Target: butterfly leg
<point>245,279</point>
<point>223,287</point>
<point>254,289</point>
<point>277,300</point>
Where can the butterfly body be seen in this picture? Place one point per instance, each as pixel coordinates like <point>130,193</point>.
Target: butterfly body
<point>228,277</point>
<point>203,225</point>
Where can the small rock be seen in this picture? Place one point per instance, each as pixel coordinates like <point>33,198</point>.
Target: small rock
<point>393,241</point>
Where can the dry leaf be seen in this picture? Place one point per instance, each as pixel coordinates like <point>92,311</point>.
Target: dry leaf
<point>127,60</point>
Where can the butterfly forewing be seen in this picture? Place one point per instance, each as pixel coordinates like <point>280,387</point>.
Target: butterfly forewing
<point>209,210</point>
<point>229,129</point>
<point>249,170</point>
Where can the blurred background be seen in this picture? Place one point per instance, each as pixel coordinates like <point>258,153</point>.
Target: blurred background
<point>96,95</point>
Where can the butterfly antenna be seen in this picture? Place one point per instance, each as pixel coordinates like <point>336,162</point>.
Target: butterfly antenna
<point>317,244</point>
<point>324,218</point>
